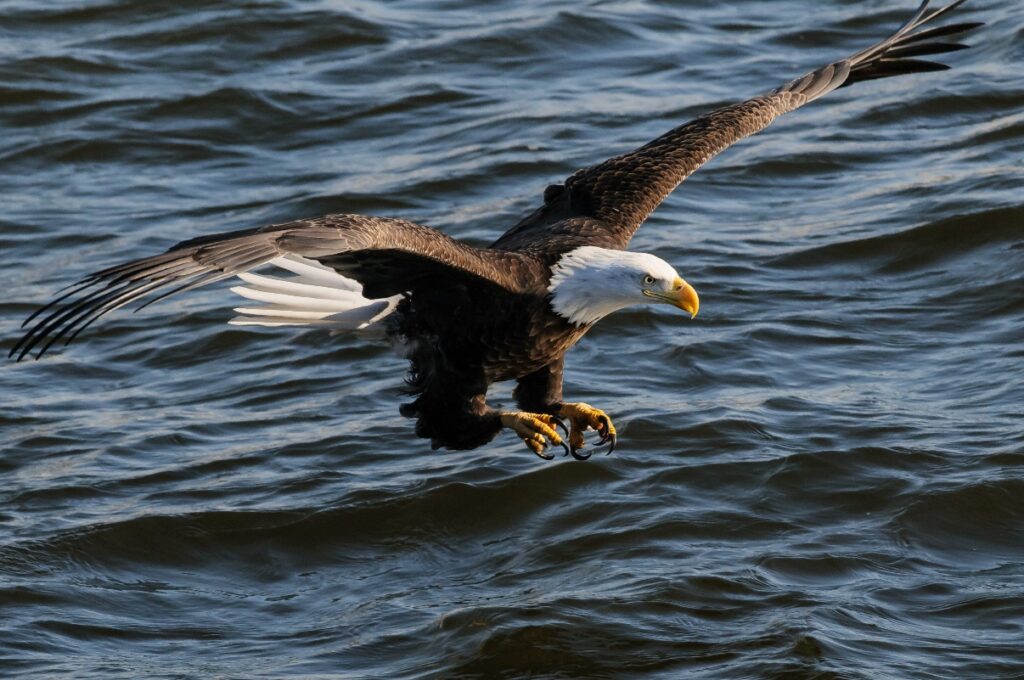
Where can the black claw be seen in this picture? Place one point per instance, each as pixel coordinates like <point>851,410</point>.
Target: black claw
<point>607,436</point>
<point>566,447</point>
<point>561,424</point>
<point>544,456</point>
<point>579,456</point>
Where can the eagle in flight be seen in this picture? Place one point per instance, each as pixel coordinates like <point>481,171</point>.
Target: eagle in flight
<point>465,316</point>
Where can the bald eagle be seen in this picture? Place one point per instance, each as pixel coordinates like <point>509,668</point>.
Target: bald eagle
<point>465,316</point>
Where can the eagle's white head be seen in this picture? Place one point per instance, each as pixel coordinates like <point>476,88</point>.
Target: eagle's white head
<point>589,283</point>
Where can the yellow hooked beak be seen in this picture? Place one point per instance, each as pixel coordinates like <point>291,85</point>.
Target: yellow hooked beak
<point>682,296</point>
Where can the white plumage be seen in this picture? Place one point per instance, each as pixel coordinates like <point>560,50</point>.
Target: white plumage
<point>317,296</point>
<point>588,283</point>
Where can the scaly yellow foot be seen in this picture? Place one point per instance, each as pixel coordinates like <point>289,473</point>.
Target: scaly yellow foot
<point>536,430</point>
<point>583,416</point>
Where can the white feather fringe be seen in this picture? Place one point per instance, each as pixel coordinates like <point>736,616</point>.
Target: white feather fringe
<point>316,296</point>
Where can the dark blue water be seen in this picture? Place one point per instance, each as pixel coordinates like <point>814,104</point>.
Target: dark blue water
<point>822,476</point>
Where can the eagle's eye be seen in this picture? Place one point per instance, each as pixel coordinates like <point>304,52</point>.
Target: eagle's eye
<point>648,280</point>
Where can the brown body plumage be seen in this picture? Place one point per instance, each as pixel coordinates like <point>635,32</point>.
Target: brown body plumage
<point>473,316</point>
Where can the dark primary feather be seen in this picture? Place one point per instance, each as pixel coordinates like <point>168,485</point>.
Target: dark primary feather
<point>410,254</point>
<point>612,199</point>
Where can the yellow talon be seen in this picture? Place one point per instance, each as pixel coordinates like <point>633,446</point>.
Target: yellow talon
<point>583,416</point>
<point>576,438</point>
<point>535,429</point>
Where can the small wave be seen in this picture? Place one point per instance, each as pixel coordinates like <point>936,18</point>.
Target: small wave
<point>935,105</point>
<point>367,520</point>
<point>128,148</point>
<point>948,523</point>
<point>240,105</point>
<point>920,247</point>
<point>11,96</point>
<point>294,33</point>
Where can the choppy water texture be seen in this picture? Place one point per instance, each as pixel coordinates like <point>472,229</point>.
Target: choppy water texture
<point>820,477</point>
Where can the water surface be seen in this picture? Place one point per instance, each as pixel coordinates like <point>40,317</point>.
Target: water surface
<point>822,476</point>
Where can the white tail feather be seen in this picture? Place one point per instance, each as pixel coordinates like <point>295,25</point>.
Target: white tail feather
<point>281,312</point>
<point>297,301</point>
<point>311,271</point>
<point>273,322</point>
<point>317,296</point>
<point>295,287</point>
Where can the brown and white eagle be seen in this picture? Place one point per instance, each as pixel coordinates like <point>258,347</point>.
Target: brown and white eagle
<point>467,317</point>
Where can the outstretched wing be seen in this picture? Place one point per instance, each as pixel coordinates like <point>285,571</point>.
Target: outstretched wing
<point>387,256</point>
<point>605,204</point>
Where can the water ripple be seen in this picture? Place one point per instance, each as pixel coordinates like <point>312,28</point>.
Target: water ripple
<point>820,477</point>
